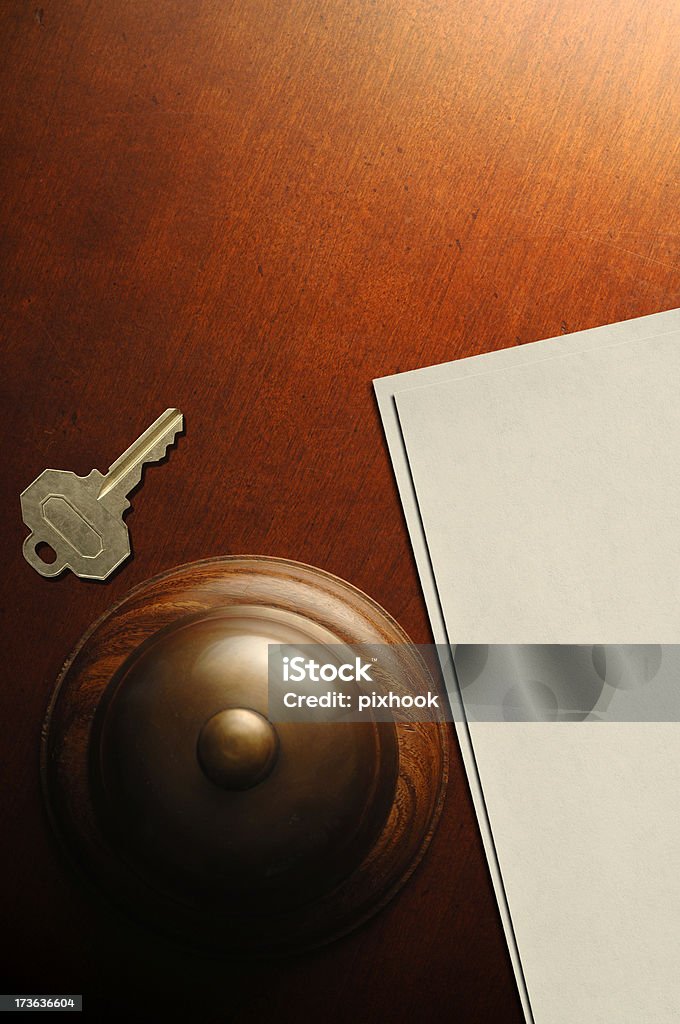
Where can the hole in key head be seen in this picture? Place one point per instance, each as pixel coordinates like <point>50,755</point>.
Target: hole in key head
<point>45,553</point>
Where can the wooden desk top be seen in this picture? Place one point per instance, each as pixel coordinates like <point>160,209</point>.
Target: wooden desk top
<point>249,210</point>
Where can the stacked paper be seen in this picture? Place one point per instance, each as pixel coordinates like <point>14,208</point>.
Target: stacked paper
<point>541,487</point>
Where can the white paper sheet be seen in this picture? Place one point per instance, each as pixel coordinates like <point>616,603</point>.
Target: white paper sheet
<point>591,930</point>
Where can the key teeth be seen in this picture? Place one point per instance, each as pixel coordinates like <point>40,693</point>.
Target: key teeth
<point>161,449</point>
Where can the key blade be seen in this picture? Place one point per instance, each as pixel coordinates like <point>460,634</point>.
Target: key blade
<point>151,446</point>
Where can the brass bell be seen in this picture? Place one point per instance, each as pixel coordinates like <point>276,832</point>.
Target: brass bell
<point>172,789</point>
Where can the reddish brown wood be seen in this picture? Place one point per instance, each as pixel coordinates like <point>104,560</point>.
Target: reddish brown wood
<point>248,210</point>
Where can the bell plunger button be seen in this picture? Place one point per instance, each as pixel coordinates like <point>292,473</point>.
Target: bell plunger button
<point>237,748</point>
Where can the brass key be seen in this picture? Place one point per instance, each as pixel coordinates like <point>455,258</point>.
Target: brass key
<point>81,517</point>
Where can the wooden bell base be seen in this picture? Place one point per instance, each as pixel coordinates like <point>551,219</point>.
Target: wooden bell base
<point>306,834</point>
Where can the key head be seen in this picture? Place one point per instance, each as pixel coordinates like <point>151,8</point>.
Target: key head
<point>61,510</point>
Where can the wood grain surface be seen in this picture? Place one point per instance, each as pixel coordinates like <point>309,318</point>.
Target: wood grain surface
<point>249,210</point>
